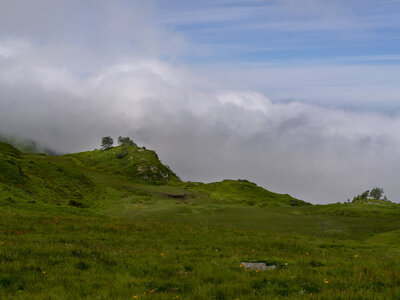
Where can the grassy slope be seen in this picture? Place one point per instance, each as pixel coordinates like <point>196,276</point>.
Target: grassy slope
<point>180,239</point>
<point>129,162</point>
<point>37,178</point>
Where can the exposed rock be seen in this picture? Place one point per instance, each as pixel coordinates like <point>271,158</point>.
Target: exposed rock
<point>141,169</point>
<point>258,266</point>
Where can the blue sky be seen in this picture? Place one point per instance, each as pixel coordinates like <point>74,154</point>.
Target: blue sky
<point>288,31</point>
<point>356,42</point>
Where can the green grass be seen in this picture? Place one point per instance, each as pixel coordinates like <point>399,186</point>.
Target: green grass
<point>138,234</point>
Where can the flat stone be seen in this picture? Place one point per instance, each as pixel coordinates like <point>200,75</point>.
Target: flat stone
<point>258,266</point>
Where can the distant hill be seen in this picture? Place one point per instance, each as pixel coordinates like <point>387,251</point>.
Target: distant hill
<point>26,145</point>
<point>246,193</point>
<point>88,178</point>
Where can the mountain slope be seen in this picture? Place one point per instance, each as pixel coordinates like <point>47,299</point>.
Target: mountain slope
<point>36,177</point>
<point>131,162</point>
<point>87,178</point>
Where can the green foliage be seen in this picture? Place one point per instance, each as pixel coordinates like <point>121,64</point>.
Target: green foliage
<point>373,196</point>
<point>126,141</point>
<point>365,195</point>
<point>107,143</point>
<point>376,193</point>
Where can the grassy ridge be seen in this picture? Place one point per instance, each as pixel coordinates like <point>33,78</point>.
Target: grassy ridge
<point>139,237</point>
<point>246,193</point>
<point>130,162</point>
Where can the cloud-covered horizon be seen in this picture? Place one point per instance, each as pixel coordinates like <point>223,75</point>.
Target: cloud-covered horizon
<point>203,130</point>
<point>169,77</point>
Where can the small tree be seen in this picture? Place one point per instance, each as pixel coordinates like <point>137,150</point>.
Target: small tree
<point>107,142</point>
<point>376,193</point>
<point>365,195</point>
<point>125,141</point>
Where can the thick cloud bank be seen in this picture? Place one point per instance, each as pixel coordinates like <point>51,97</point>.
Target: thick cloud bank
<point>202,129</point>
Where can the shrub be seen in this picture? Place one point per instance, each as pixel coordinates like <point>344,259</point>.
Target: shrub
<point>122,153</point>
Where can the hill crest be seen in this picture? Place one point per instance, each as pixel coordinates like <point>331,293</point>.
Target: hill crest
<point>92,177</point>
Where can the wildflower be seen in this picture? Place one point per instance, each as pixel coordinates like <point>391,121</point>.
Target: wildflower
<point>1,243</point>
<point>134,297</point>
<point>355,255</point>
<point>257,271</point>
<point>44,272</point>
<point>162,254</point>
<point>252,250</point>
<point>286,264</point>
<point>307,253</point>
<point>241,265</point>
<point>326,281</point>
<point>144,293</point>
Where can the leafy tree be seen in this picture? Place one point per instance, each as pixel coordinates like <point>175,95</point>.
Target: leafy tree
<point>365,195</point>
<point>376,193</point>
<point>125,141</point>
<point>107,142</point>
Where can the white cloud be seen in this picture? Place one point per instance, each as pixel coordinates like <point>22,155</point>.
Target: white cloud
<point>205,131</point>
<point>318,82</point>
<point>11,47</point>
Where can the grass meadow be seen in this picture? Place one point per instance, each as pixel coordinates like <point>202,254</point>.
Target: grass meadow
<point>134,240</point>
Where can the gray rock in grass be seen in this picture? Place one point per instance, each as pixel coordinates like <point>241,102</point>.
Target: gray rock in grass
<point>260,266</point>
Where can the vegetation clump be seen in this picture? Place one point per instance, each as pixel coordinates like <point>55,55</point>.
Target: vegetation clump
<point>126,141</point>
<point>375,195</point>
<point>107,142</point>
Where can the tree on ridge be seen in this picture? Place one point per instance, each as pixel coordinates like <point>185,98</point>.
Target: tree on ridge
<point>107,142</point>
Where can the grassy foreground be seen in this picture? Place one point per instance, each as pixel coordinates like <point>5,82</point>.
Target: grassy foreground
<point>101,225</point>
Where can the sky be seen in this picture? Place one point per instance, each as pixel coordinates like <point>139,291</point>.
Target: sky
<point>301,97</point>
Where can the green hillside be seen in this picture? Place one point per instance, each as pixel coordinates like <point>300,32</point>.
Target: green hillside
<point>89,176</point>
<point>130,162</point>
<point>119,224</point>
<point>38,178</point>
<point>246,193</point>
